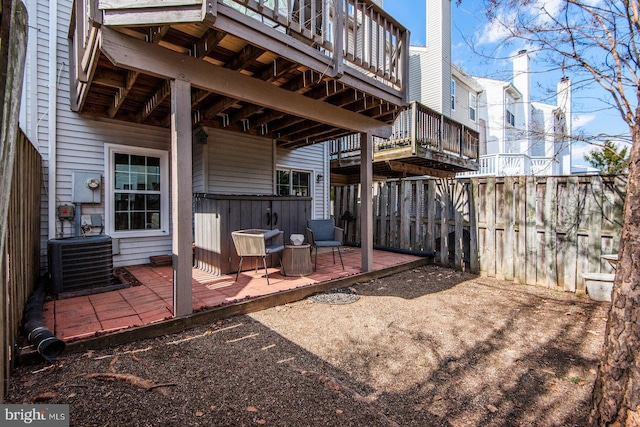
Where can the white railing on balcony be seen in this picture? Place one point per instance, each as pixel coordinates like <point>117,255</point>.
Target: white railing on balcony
<point>511,165</point>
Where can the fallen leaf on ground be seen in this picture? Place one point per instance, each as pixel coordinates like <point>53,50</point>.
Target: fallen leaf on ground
<point>199,414</point>
<point>252,409</point>
<point>492,408</point>
<point>339,411</point>
<point>261,422</point>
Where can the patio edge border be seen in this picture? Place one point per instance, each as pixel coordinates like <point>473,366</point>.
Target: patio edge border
<point>179,324</point>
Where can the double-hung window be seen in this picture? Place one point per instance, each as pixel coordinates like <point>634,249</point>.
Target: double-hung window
<point>293,183</point>
<point>137,191</point>
<point>453,94</point>
<point>510,118</point>
<point>473,103</point>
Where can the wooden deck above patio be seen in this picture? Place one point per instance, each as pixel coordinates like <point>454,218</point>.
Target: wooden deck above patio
<point>423,142</point>
<point>297,71</point>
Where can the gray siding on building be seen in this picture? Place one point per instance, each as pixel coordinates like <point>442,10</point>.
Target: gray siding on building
<point>230,163</point>
<point>239,163</point>
<point>80,140</point>
<point>315,159</point>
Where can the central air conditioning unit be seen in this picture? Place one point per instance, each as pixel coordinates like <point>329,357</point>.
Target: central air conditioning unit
<point>81,265</point>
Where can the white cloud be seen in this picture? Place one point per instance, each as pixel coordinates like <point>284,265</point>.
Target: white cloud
<point>580,120</point>
<point>496,30</point>
<point>544,10</point>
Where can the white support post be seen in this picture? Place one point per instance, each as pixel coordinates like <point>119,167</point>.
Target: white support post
<point>366,200</point>
<point>181,196</point>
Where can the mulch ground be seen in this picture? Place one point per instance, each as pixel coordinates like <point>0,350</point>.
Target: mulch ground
<point>427,347</point>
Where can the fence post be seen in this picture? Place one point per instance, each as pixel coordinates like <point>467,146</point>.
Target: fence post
<point>594,223</point>
<point>521,221</point>
<point>570,225</point>
<point>489,252</point>
<point>509,229</point>
<point>405,214</point>
<point>458,206</point>
<point>393,214</point>
<point>384,213</point>
<point>474,264</point>
<point>550,227</point>
<point>531,231</point>
<point>431,215</point>
<point>444,222</point>
<point>419,209</point>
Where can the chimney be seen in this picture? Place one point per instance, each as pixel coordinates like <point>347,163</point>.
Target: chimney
<point>563,99</point>
<point>522,82</point>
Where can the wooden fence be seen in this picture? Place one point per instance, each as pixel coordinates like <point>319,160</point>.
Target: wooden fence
<point>20,262</point>
<point>534,230</point>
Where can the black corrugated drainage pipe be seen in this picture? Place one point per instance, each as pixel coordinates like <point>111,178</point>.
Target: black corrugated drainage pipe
<point>38,335</point>
<point>397,250</point>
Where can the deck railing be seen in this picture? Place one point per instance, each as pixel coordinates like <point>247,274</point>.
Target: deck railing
<point>355,33</point>
<point>512,165</point>
<point>417,126</point>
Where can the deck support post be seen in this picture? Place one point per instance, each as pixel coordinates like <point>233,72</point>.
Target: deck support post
<point>181,196</point>
<point>366,200</point>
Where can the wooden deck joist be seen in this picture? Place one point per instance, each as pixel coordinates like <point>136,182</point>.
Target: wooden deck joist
<point>129,53</point>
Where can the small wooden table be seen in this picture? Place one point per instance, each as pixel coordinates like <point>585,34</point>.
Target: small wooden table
<point>296,260</point>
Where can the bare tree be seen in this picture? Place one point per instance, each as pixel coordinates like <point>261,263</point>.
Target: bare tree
<point>598,40</point>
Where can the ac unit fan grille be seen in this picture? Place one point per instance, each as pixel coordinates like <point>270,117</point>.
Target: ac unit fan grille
<point>80,263</point>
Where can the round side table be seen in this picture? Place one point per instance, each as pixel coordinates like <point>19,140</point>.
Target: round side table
<point>296,260</point>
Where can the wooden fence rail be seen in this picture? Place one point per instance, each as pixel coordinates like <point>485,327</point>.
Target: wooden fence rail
<point>20,262</point>
<point>535,230</point>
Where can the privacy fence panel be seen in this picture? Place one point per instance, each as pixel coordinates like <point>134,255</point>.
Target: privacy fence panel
<point>19,265</point>
<point>544,231</point>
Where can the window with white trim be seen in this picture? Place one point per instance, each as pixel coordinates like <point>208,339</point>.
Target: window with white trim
<point>453,94</point>
<point>137,191</point>
<point>473,102</point>
<point>510,118</point>
<point>293,183</point>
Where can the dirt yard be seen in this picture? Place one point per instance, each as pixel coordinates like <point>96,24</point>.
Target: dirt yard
<point>427,347</point>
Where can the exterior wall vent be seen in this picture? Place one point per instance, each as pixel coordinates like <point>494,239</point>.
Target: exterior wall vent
<point>81,265</point>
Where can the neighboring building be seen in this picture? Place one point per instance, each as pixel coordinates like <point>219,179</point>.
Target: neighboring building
<point>522,137</point>
<point>517,136</point>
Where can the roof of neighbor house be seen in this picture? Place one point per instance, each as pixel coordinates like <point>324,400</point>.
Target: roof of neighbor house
<point>466,78</point>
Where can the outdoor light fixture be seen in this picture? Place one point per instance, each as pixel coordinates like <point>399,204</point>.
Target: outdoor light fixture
<point>200,135</point>
<point>319,177</point>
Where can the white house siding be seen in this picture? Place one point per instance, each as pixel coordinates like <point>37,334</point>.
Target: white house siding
<point>491,109</point>
<point>461,112</point>
<point>430,66</point>
<point>239,163</point>
<point>425,84</point>
<point>465,85</point>
<point>80,140</point>
<point>315,159</point>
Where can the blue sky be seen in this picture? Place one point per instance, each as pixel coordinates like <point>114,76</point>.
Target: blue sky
<point>590,114</point>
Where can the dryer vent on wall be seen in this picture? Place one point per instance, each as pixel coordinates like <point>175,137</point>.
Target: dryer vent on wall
<point>79,264</point>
